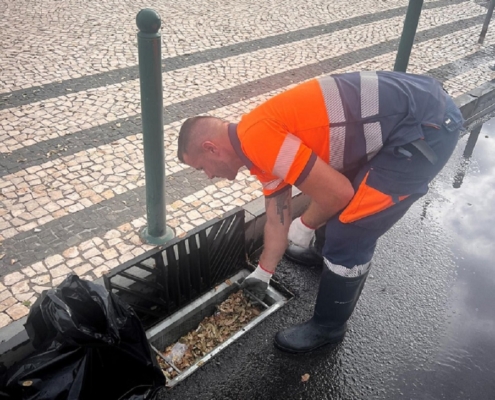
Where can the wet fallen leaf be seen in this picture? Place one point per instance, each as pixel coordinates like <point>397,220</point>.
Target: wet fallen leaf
<point>212,332</point>
<point>305,378</point>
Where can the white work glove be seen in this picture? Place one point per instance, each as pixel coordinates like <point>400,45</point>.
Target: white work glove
<point>300,234</point>
<point>257,283</point>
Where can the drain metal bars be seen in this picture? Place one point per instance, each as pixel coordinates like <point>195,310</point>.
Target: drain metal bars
<point>162,280</point>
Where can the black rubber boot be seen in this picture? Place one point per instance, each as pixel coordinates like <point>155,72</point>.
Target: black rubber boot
<point>308,256</point>
<point>337,298</point>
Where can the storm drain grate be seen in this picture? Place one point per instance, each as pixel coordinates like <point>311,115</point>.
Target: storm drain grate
<point>163,280</point>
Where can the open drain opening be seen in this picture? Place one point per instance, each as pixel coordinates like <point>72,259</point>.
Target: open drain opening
<point>172,288</point>
<point>180,331</point>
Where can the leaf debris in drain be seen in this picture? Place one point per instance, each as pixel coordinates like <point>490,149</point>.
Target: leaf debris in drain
<point>230,317</point>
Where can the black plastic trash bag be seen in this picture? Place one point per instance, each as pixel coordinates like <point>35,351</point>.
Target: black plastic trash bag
<point>89,345</point>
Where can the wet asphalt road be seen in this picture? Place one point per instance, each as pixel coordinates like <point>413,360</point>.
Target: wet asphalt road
<point>424,327</point>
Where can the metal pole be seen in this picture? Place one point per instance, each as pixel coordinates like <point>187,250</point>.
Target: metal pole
<point>150,77</point>
<point>487,21</point>
<point>408,33</point>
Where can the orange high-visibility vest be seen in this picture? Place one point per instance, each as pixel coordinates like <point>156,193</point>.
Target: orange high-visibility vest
<point>343,119</point>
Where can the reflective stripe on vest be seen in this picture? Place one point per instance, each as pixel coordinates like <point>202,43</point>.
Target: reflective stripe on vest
<point>336,115</point>
<point>335,112</point>
<point>370,106</point>
<point>286,156</point>
<point>272,185</point>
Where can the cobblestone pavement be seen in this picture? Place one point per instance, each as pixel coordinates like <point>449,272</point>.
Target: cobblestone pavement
<point>72,182</point>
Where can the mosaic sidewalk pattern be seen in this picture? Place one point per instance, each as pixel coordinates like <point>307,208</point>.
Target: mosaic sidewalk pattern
<point>72,196</point>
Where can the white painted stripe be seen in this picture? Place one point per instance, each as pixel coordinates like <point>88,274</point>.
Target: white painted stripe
<point>373,137</point>
<point>337,145</point>
<point>286,156</point>
<point>369,94</point>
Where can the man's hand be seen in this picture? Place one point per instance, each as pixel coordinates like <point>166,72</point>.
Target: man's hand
<point>300,234</point>
<point>257,283</point>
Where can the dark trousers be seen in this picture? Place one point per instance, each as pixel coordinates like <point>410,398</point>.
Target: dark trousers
<point>385,187</point>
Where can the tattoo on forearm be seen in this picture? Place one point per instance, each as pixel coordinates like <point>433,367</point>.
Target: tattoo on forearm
<point>282,204</point>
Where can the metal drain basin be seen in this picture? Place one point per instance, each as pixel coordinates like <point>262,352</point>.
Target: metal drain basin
<point>187,319</point>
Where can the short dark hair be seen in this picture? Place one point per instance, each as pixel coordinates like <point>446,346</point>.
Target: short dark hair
<point>187,131</point>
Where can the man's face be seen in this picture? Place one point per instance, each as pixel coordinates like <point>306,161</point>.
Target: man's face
<point>212,163</point>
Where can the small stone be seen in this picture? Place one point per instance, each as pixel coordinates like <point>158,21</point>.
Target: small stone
<point>88,244</point>
<point>113,242</point>
<point>125,228</point>
<point>228,200</point>
<point>58,281</point>
<point>39,267</point>
<point>40,289</point>
<point>126,257</point>
<point>17,311</point>
<point>136,240</point>
<point>4,320</point>
<point>24,296</point>
<point>12,278</point>
<point>71,252</point>
<point>8,302</point>
<point>100,271</point>
<point>177,204</point>
<point>52,261</point>
<point>29,272</point>
<point>91,253</point>
<point>199,221</point>
<point>41,280</point>
<point>60,213</point>
<point>203,208</point>
<point>59,271</point>
<point>96,261</point>
<point>83,269</point>
<point>238,202</point>
<point>5,294</point>
<point>20,287</point>
<point>124,248</point>
<point>192,215</point>
<point>110,254</point>
<point>74,262</point>
<point>189,199</point>
<point>138,223</point>
<point>108,194</point>
<point>114,233</point>
<point>216,204</point>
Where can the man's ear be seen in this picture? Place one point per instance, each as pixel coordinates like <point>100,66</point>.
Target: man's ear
<point>209,147</point>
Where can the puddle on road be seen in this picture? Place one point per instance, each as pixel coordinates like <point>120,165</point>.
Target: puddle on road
<point>465,362</point>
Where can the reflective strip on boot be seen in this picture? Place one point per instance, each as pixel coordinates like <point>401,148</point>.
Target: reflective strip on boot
<point>353,272</point>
